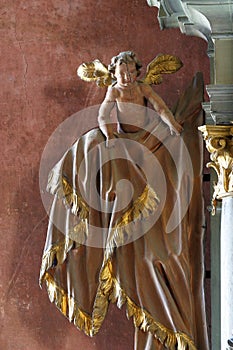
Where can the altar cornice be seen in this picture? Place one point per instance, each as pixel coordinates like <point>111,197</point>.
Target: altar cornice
<point>208,19</point>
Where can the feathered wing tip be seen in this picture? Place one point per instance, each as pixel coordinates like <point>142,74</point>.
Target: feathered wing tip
<point>95,71</point>
<point>161,64</point>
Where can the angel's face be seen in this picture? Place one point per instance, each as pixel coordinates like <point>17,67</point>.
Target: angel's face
<point>126,74</point>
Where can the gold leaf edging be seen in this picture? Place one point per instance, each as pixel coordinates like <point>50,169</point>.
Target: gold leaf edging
<point>77,204</point>
<point>109,290</point>
<point>57,252</point>
<point>67,305</point>
<point>58,185</point>
<point>142,207</point>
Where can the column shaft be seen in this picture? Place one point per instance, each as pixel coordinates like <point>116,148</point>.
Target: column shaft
<point>226,271</point>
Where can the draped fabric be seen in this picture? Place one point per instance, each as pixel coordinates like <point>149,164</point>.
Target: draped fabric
<point>137,245</point>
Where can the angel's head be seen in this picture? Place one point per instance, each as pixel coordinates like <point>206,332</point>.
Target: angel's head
<point>125,67</point>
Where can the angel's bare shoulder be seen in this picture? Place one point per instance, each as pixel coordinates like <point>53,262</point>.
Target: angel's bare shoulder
<point>112,93</point>
<point>146,89</point>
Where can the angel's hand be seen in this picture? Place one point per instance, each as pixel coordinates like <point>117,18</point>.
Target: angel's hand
<point>110,142</point>
<point>176,129</point>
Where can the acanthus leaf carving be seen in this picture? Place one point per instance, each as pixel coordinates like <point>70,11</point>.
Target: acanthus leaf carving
<point>219,143</point>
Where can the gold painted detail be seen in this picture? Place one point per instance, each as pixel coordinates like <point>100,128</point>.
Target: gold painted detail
<point>219,142</point>
<point>58,185</point>
<point>98,72</point>
<point>142,207</point>
<point>161,64</point>
<point>67,305</point>
<point>77,204</point>
<point>109,290</point>
<point>80,232</point>
<point>57,253</point>
<point>119,235</point>
<point>95,71</point>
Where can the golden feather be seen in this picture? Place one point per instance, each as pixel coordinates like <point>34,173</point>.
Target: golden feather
<point>162,64</point>
<point>95,71</point>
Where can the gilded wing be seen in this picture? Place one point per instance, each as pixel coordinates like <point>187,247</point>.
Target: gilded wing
<point>95,71</point>
<point>161,64</point>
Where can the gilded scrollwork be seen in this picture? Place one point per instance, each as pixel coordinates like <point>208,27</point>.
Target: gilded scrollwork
<point>219,142</point>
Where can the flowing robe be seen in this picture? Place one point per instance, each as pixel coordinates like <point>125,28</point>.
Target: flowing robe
<point>145,253</point>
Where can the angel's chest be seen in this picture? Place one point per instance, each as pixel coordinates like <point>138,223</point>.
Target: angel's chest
<point>131,96</point>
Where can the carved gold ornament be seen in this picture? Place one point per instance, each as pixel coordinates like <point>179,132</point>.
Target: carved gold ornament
<point>219,142</point>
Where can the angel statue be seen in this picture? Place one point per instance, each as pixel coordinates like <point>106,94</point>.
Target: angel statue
<point>126,221</point>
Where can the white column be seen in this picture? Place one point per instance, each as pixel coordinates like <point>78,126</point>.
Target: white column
<point>219,142</point>
<point>226,272</point>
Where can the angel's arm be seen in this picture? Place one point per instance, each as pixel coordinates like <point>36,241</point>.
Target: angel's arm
<point>104,113</point>
<point>162,109</point>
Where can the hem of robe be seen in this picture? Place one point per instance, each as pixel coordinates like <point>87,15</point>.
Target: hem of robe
<point>109,290</point>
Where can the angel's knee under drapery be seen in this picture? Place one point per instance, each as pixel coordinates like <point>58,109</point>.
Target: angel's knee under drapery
<point>126,227</point>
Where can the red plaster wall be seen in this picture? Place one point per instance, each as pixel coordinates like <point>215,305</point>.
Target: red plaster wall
<point>42,44</point>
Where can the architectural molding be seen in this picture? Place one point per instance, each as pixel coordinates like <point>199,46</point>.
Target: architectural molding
<point>175,13</point>
<point>220,107</point>
<point>204,18</point>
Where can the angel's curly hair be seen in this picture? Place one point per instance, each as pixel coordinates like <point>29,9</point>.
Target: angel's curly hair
<point>124,57</point>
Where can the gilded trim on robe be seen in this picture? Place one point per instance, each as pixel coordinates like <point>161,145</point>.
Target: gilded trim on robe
<point>57,252</point>
<point>142,207</point>
<point>67,305</point>
<point>109,290</point>
<point>77,204</point>
<point>57,184</point>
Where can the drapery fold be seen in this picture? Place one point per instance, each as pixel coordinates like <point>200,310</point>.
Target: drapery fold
<point>146,254</point>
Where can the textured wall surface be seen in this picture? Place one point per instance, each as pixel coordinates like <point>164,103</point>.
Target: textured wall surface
<point>42,44</point>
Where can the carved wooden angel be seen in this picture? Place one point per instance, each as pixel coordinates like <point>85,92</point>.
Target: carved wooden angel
<point>149,255</point>
<point>121,77</point>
